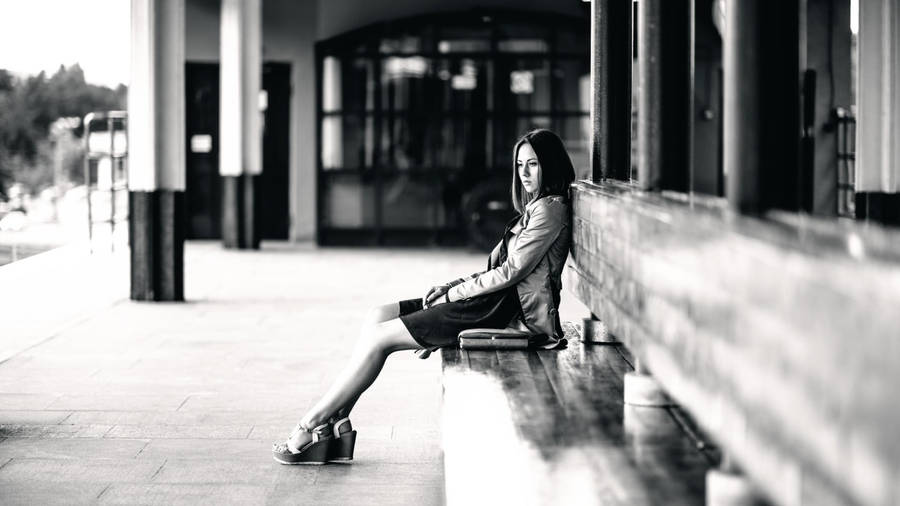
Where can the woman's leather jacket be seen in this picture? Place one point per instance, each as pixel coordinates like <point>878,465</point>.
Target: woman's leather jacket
<point>536,252</point>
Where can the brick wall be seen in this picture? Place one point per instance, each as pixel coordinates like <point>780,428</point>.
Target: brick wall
<point>780,335</point>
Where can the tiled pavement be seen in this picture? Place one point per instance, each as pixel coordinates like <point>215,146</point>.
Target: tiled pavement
<point>105,400</point>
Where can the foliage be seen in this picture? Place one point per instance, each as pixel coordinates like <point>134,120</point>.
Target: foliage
<point>28,108</point>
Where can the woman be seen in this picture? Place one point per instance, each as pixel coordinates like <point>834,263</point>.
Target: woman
<point>520,289</point>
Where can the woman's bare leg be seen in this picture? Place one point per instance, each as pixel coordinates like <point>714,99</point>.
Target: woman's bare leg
<point>377,341</point>
<point>376,315</point>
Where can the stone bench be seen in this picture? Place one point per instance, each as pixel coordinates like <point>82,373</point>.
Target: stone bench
<point>550,427</point>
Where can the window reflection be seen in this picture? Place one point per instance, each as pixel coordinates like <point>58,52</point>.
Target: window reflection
<point>575,132</point>
<point>348,202</point>
<point>412,202</point>
<point>523,38</point>
<point>572,85</point>
<point>347,85</point>
<point>464,39</point>
<point>347,142</point>
<point>426,112</point>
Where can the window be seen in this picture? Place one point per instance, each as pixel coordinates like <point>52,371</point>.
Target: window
<point>415,114</point>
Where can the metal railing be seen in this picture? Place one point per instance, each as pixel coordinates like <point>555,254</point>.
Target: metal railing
<point>846,161</point>
<point>105,169</point>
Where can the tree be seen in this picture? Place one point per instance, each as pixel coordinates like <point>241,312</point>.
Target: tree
<point>28,106</point>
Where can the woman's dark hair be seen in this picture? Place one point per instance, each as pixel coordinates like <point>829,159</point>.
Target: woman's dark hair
<point>557,172</point>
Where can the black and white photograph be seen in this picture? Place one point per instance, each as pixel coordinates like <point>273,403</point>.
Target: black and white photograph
<point>450,253</point>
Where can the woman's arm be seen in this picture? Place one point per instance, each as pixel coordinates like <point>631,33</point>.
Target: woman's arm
<point>492,262</point>
<point>544,225</point>
<point>437,292</point>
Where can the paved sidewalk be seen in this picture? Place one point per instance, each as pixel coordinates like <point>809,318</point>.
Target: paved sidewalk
<point>125,402</point>
<point>119,402</point>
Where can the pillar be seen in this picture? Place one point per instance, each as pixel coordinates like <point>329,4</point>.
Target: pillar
<point>762,59</point>
<point>156,156</point>
<point>878,118</point>
<point>666,60</point>
<point>611,61</point>
<point>828,55</point>
<point>240,127</point>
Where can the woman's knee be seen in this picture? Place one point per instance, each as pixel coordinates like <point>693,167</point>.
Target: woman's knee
<point>386,337</point>
<point>371,338</point>
<point>383,313</point>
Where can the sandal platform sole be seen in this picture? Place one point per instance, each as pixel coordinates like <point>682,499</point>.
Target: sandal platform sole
<point>314,455</point>
<point>341,451</point>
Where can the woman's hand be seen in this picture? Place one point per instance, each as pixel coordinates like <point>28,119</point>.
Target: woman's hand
<point>435,295</point>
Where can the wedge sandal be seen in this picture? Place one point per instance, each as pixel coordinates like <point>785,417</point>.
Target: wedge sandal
<point>314,453</point>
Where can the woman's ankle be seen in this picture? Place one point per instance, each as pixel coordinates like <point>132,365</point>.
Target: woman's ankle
<point>309,423</point>
<point>341,425</point>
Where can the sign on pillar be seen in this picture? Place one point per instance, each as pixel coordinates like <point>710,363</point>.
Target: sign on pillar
<point>156,157</point>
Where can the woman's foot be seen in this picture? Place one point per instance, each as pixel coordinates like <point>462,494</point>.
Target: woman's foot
<point>305,446</point>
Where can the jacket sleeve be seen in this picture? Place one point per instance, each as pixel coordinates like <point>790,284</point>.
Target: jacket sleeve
<point>463,280</point>
<point>493,259</point>
<point>544,225</point>
<point>492,262</point>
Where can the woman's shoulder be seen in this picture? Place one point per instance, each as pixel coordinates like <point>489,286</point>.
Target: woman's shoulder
<point>554,203</point>
<point>553,207</point>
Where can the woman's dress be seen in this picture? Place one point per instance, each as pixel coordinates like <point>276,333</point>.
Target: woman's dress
<point>439,325</point>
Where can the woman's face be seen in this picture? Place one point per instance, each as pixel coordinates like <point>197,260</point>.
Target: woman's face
<point>529,168</point>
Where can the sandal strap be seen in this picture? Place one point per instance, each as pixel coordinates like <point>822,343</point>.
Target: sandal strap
<point>337,426</point>
<point>316,432</point>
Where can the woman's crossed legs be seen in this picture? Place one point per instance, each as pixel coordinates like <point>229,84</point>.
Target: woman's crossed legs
<point>382,333</point>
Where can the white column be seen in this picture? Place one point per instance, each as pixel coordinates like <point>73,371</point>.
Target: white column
<point>240,134</point>
<point>156,159</point>
<point>878,121</point>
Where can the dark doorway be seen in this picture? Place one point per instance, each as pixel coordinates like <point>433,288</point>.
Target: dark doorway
<point>272,186</point>
<point>203,185</point>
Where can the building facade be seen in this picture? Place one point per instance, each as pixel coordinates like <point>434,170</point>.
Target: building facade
<point>379,119</point>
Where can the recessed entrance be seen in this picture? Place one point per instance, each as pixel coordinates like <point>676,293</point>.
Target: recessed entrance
<point>203,189</point>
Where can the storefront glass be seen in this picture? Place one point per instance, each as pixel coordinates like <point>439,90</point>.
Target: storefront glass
<point>416,115</point>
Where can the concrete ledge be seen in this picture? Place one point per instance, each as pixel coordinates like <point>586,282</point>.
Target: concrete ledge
<point>47,292</point>
<point>777,335</point>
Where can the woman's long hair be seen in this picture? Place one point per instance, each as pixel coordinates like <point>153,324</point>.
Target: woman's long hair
<point>557,172</point>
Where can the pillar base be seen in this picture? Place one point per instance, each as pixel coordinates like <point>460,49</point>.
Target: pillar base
<point>156,233</point>
<point>729,489</point>
<point>880,207</point>
<point>644,390</point>
<point>595,331</point>
<point>645,424</point>
<point>239,226</point>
